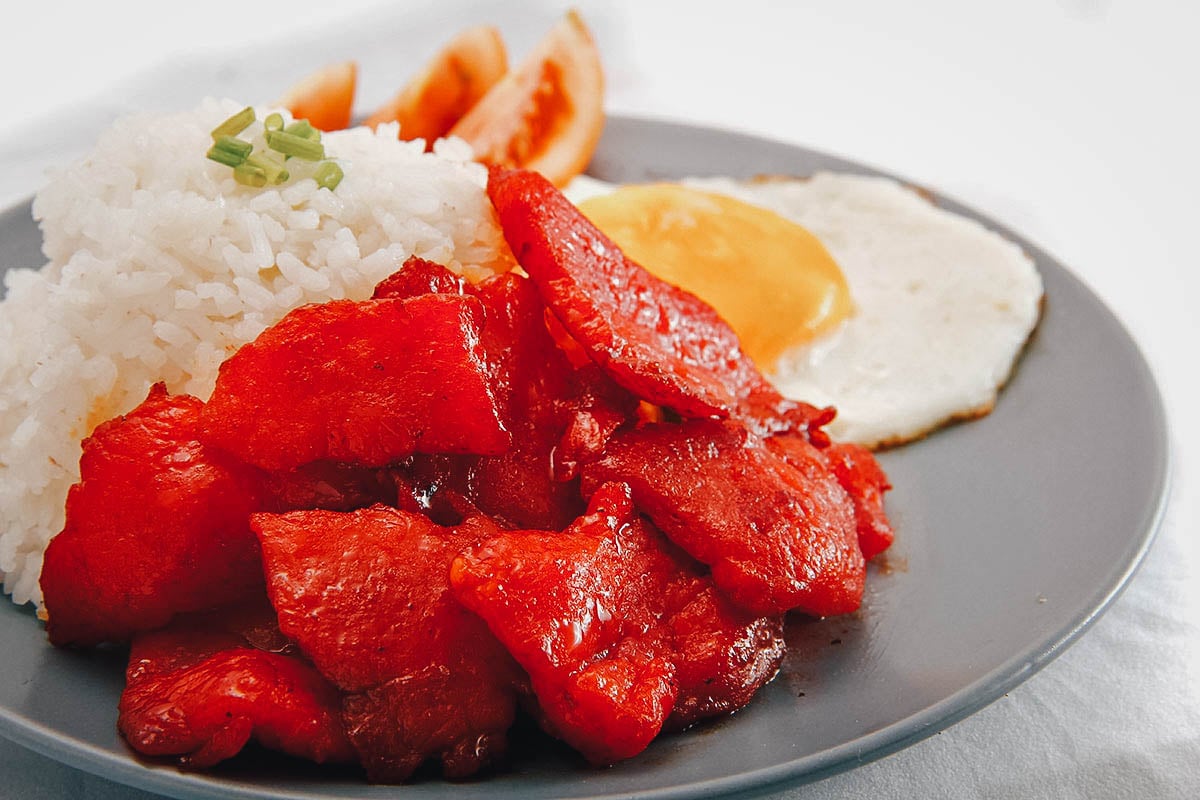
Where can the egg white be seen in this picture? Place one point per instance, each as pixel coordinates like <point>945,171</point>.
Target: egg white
<point>943,306</point>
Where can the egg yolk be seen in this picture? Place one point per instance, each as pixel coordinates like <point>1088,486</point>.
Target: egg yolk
<point>771,280</point>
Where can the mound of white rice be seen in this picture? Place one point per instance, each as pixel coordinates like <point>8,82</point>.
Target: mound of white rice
<point>161,265</point>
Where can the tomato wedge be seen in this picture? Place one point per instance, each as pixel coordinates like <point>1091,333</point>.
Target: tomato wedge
<point>548,114</point>
<point>324,98</point>
<point>449,85</point>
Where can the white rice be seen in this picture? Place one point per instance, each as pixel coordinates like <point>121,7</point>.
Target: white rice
<point>161,265</point>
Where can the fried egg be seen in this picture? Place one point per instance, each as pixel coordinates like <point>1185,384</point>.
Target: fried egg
<point>846,290</point>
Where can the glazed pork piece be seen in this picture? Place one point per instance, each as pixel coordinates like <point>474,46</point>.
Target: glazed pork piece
<point>542,400</point>
<point>366,595</point>
<point>328,485</point>
<point>617,628</point>
<point>363,382</point>
<point>864,480</point>
<point>777,527</point>
<point>203,687</point>
<point>777,537</point>
<point>157,525</point>
<point>662,343</point>
<point>627,319</point>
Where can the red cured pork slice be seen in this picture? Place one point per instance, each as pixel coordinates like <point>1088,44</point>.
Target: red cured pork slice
<point>865,481</point>
<point>766,413</point>
<point>603,616</point>
<point>724,655</point>
<point>366,383</point>
<point>779,535</point>
<point>556,413</point>
<point>418,276</point>
<point>533,384</point>
<point>157,525</point>
<point>203,687</point>
<point>661,342</point>
<point>597,410</point>
<point>366,596</point>
<point>664,344</point>
<point>579,611</point>
<point>328,485</point>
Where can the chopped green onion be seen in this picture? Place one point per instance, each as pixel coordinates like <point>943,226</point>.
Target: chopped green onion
<point>249,175</point>
<point>230,151</point>
<point>304,129</point>
<point>235,124</point>
<point>250,168</point>
<point>271,166</point>
<point>292,145</point>
<point>224,157</point>
<point>329,175</point>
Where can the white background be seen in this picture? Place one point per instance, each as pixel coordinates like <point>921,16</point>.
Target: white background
<point>1076,122</point>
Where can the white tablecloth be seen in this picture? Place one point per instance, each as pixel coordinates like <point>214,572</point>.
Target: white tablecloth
<point>1076,122</point>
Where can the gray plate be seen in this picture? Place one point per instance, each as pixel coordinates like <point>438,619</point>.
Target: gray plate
<point>1015,533</point>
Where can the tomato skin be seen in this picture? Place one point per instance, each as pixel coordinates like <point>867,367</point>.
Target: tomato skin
<point>448,87</point>
<point>549,113</point>
<point>324,98</point>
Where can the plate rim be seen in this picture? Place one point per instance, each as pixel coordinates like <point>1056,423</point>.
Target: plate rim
<point>129,771</point>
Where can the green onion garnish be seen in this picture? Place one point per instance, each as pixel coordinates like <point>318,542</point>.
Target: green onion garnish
<point>235,124</point>
<point>292,145</point>
<point>230,151</point>
<point>329,175</point>
<point>304,129</point>
<point>271,167</point>
<point>250,168</point>
<point>249,175</point>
